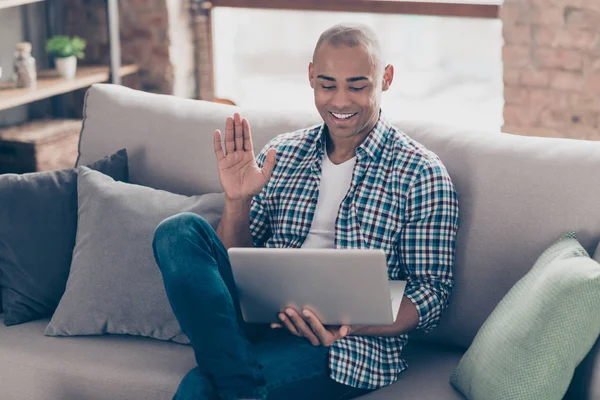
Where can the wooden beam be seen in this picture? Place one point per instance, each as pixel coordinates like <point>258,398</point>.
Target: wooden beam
<point>446,8</point>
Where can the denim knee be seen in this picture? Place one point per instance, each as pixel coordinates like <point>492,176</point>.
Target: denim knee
<point>175,233</point>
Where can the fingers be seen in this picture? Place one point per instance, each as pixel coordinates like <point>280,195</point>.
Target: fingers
<point>326,336</point>
<point>316,326</point>
<point>269,163</point>
<point>276,326</point>
<point>301,327</point>
<point>344,331</point>
<point>247,136</point>
<point>229,135</point>
<point>238,132</point>
<point>288,324</point>
<point>218,147</point>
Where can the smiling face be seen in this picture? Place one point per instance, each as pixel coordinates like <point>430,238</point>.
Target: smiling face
<point>348,82</point>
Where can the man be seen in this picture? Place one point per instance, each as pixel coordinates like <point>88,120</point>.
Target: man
<point>353,182</point>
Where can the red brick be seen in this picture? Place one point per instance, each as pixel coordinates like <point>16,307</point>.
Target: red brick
<point>136,50</point>
<point>148,5</point>
<point>555,118</point>
<point>582,18</point>
<point>161,52</point>
<point>516,34</point>
<point>512,77</point>
<point>567,81</point>
<point>558,58</point>
<point>155,19</point>
<point>545,36</point>
<point>519,115</point>
<point>593,5</point>
<point>516,55</point>
<point>577,39</point>
<point>595,66</point>
<point>584,101</point>
<point>593,85</point>
<point>137,33</point>
<point>535,77</point>
<point>583,132</point>
<point>548,16</point>
<point>531,131</point>
<point>516,95</point>
<point>566,38</point>
<point>584,4</point>
<point>580,118</point>
<point>515,13</point>
<point>543,98</point>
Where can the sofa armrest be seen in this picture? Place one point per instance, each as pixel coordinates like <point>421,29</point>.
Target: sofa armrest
<point>586,380</point>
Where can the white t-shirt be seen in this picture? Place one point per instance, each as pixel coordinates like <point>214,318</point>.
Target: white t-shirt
<point>335,182</point>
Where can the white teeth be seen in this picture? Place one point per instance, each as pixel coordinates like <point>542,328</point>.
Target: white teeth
<point>342,116</point>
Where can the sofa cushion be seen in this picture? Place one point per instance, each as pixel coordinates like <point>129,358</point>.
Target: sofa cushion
<point>426,378</point>
<point>38,214</point>
<point>170,141</point>
<point>542,329</point>
<point>114,285</point>
<point>37,367</point>
<point>517,194</point>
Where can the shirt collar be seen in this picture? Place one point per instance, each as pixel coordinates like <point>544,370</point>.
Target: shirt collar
<point>373,144</point>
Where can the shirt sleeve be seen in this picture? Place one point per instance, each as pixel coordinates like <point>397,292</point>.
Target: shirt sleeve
<point>427,242</point>
<point>260,228</point>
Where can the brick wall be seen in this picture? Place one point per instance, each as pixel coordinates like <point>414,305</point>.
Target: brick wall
<point>155,34</point>
<point>552,67</point>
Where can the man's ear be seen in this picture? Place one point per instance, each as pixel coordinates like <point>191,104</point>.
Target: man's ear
<point>388,77</point>
<point>311,75</point>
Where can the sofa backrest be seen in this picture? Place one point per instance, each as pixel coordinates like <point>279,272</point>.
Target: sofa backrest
<point>517,194</point>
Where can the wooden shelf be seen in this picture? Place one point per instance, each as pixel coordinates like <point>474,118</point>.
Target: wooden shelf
<point>14,3</point>
<point>49,84</point>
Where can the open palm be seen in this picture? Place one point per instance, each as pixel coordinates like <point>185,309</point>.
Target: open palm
<point>240,176</point>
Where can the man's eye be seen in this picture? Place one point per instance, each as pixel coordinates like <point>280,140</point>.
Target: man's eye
<point>327,87</point>
<point>357,89</point>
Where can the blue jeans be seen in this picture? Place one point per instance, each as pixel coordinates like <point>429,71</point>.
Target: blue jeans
<point>236,360</point>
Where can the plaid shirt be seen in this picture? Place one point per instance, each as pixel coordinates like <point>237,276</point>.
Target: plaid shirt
<point>401,200</point>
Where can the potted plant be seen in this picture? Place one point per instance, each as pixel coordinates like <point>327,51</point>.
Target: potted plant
<point>66,51</point>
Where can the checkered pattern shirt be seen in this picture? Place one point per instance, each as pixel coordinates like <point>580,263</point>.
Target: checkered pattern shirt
<point>401,200</point>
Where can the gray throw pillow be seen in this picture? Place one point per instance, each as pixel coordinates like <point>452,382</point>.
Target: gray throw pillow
<point>115,285</point>
<point>38,221</point>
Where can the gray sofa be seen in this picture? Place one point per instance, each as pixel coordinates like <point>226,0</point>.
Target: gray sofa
<point>517,196</point>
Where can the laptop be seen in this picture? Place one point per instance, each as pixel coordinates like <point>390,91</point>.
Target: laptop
<point>341,286</point>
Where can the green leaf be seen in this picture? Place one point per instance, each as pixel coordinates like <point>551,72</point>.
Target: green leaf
<point>64,46</point>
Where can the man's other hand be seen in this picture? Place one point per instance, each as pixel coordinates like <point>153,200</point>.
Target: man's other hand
<point>308,325</point>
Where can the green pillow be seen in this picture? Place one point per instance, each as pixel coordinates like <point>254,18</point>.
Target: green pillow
<point>542,329</point>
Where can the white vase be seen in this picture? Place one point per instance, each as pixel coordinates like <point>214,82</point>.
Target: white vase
<point>66,66</point>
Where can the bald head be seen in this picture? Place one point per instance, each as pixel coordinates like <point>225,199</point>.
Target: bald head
<point>353,35</point>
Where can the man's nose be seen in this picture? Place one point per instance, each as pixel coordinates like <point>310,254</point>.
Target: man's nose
<point>340,100</point>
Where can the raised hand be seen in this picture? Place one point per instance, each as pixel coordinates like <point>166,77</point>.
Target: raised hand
<point>240,176</point>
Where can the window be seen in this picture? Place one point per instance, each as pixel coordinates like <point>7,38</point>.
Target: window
<point>447,69</point>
